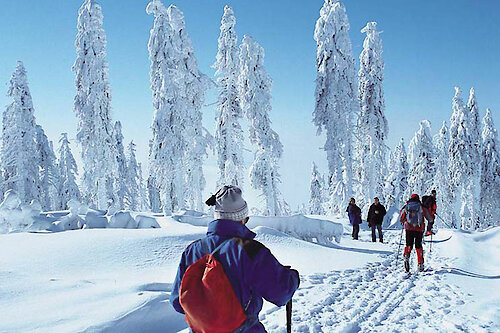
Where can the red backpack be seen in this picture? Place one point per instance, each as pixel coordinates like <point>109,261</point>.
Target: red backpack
<point>207,297</point>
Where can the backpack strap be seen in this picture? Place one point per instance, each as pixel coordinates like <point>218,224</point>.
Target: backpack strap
<point>214,252</point>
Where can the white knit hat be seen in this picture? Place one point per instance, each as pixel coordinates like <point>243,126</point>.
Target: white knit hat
<point>229,204</point>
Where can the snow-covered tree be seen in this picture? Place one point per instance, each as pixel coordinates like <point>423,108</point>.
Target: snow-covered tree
<point>19,158</point>
<point>255,96</point>
<point>396,184</point>
<point>336,100</point>
<point>194,87</point>
<point>475,153</point>
<point>121,185</point>
<point>445,197</point>
<point>92,107</point>
<point>461,164</point>
<point>48,171</point>
<point>421,161</point>
<point>132,182</point>
<point>143,196</point>
<point>68,189</point>
<point>489,201</point>
<point>372,126</point>
<point>316,198</point>
<point>168,144</point>
<point>228,132</point>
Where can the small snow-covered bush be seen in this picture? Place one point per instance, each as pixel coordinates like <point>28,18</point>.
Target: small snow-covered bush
<point>301,227</point>
<point>14,216</point>
<point>95,220</point>
<point>192,217</point>
<point>146,222</point>
<point>122,219</point>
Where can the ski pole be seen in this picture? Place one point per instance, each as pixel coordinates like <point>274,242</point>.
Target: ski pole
<point>399,246</point>
<point>289,316</point>
<point>446,224</point>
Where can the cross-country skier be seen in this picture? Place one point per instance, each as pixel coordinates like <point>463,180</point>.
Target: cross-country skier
<point>375,218</point>
<point>412,215</point>
<point>251,269</point>
<point>354,213</point>
<point>429,202</point>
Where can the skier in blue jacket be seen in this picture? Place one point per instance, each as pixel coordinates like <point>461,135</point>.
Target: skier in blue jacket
<point>251,268</point>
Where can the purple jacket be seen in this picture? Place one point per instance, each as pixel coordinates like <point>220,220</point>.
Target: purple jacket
<point>251,268</point>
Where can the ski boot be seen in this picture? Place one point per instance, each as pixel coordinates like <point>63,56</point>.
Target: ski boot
<point>420,257</point>
<point>406,262</point>
<point>429,233</point>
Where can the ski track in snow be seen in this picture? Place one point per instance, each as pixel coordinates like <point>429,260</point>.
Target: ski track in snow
<point>376,298</point>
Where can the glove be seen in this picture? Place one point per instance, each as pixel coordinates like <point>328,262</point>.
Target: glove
<point>369,225</point>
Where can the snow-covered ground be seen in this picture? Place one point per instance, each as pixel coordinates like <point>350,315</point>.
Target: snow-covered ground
<point>118,280</point>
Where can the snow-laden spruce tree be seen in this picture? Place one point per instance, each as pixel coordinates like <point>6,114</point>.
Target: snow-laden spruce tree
<point>93,107</point>
<point>372,129</point>
<point>143,196</point>
<point>489,200</point>
<point>132,181</point>
<point>169,143</point>
<point>316,191</point>
<point>228,132</point>
<point>68,189</point>
<point>336,100</point>
<point>441,183</point>
<point>255,96</point>
<point>396,184</point>
<point>48,171</point>
<point>475,153</point>
<point>461,164</point>
<point>421,161</point>
<point>19,158</point>
<point>194,87</point>
<point>121,185</point>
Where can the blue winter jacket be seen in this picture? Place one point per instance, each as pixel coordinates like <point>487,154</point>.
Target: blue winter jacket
<point>354,213</point>
<point>251,268</point>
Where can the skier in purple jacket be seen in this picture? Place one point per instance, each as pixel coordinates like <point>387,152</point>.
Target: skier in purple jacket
<point>253,271</point>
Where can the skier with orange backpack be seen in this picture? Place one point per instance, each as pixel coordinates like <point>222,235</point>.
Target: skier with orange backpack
<point>223,278</point>
<point>412,215</point>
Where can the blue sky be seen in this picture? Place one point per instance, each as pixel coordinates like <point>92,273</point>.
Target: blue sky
<point>429,47</point>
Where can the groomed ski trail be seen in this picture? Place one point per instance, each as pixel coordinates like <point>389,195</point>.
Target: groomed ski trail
<point>375,298</point>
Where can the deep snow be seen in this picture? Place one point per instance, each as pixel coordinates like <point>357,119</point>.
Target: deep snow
<point>118,280</point>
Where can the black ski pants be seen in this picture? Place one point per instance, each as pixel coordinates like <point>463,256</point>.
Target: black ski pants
<point>355,231</point>
<point>413,236</point>
<point>380,235</point>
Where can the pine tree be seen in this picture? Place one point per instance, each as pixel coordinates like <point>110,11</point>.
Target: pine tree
<point>228,132</point>
<point>19,155</point>
<point>396,185</point>
<point>68,189</point>
<point>143,196</point>
<point>255,95</point>
<point>460,164</point>
<point>445,197</point>
<point>316,198</point>
<point>48,172</point>
<point>92,107</point>
<point>335,98</point>
<point>196,136</point>
<point>489,199</point>
<point>132,181</point>
<point>372,126</point>
<point>168,144</point>
<point>421,161</point>
<point>121,185</point>
<point>475,153</point>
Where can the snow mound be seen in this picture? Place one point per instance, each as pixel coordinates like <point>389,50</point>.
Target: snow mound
<point>146,222</point>
<point>95,220</point>
<point>122,220</point>
<point>302,227</point>
<point>192,217</point>
<point>14,216</point>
